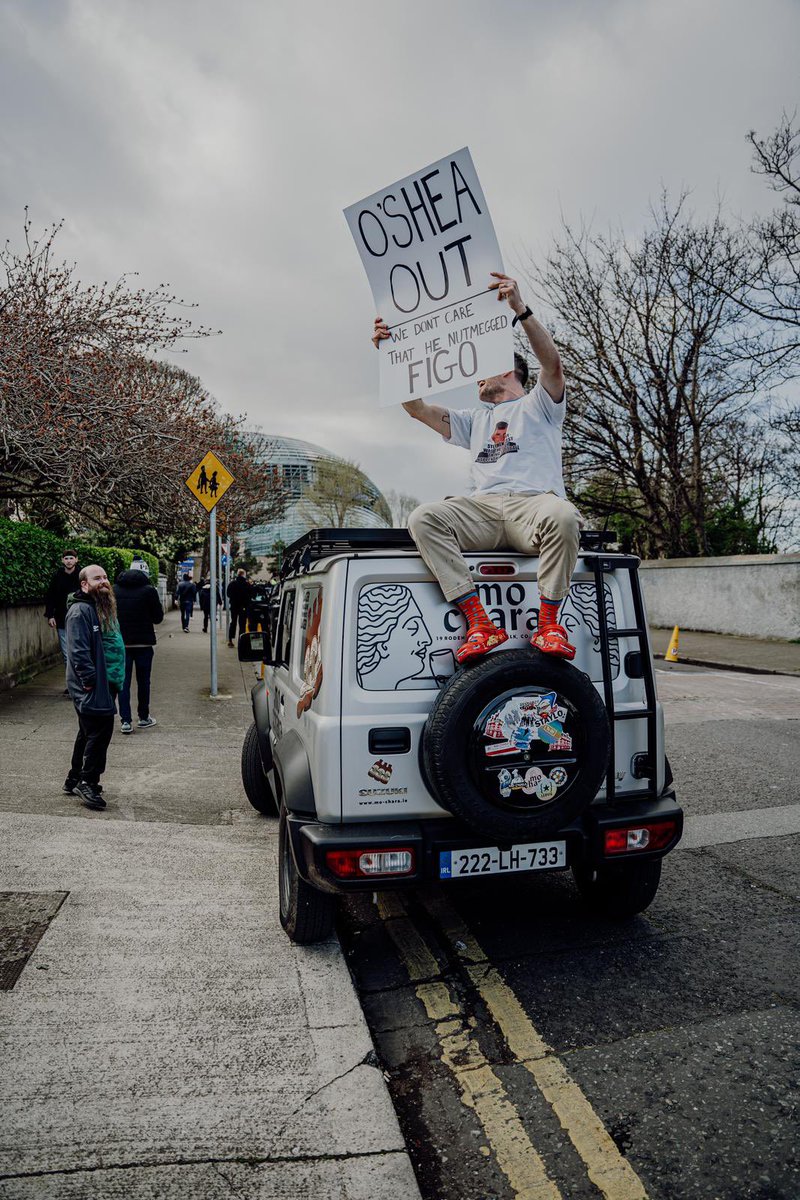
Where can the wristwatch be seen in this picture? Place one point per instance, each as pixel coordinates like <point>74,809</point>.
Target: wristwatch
<point>523,316</point>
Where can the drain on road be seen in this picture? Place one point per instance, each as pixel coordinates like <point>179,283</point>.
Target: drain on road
<point>24,918</point>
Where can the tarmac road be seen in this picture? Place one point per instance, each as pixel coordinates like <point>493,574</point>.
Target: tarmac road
<point>530,1049</point>
<point>535,1050</point>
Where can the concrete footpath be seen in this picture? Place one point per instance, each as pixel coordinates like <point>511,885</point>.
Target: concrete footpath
<point>164,1038</point>
<point>730,652</point>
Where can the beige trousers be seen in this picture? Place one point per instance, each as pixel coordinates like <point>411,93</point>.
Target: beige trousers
<point>543,524</point>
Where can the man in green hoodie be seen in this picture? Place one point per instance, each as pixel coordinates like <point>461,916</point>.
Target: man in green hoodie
<point>95,674</point>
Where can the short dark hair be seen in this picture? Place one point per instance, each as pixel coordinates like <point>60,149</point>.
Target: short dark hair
<point>186,579</point>
<point>64,553</point>
<point>520,368</point>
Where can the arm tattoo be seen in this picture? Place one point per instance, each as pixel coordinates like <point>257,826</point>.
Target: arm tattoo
<point>446,419</point>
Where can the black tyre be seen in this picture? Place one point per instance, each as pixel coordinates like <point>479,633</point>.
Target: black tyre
<point>256,784</point>
<point>619,889</point>
<point>305,913</point>
<point>517,746</point>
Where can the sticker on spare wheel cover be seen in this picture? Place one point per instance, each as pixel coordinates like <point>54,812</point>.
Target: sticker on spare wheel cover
<point>508,781</point>
<point>551,732</point>
<point>546,789</point>
<point>519,722</point>
<point>533,777</point>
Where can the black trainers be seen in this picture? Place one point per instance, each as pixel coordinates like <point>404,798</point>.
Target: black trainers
<point>70,786</point>
<point>90,795</point>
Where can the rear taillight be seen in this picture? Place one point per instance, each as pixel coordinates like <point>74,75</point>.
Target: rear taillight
<point>628,840</point>
<point>502,569</point>
<point>369,864</point>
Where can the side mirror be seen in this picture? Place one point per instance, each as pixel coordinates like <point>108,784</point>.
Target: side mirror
<point>254,647</point>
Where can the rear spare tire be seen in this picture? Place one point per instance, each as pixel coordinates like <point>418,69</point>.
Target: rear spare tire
<point>517,745</point>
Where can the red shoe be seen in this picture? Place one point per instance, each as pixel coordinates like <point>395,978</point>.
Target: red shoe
<point>480,641</point>
<point>552,639</point>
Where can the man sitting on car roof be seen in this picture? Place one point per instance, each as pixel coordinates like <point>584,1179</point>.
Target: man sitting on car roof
<point>516,500</point>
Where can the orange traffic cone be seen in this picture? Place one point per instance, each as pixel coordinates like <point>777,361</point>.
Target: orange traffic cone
<point>672,648</point>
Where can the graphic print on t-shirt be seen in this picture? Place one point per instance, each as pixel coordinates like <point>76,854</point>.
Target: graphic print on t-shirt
<point>500,443</point>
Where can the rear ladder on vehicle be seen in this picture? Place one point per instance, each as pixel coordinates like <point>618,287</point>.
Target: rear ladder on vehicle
<point>600,565</point>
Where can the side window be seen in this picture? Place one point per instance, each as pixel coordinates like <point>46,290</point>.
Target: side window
<point>310,611</point>
<point>283,648</point>
<point>308,651</point>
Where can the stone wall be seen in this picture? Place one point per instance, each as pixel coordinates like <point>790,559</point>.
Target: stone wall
<point>27,643</point>
<point>754,595</point>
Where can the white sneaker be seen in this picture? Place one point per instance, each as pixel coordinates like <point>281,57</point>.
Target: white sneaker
<point>147,723</point>
<point>126,727</point>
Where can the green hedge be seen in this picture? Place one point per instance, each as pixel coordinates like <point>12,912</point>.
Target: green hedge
<point>30,556</point>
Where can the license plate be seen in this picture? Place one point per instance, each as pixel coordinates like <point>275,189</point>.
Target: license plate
<point>490,860</point>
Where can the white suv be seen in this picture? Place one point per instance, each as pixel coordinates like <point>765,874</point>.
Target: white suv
<point>389,765</point>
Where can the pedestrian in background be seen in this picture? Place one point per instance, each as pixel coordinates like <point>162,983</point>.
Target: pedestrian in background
<point>138,609</point>
<point>62,585</point>
<point>95,674</point>
<point>187,594</point>
<point>239,599</point>
<point>204,600</point>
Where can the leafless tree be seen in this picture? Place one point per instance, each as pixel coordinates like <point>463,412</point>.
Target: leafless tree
<point>660,357</point>
<point>775,296</point>
<point>93,427</point>
<point>339,489</point>
<point>401,505</point>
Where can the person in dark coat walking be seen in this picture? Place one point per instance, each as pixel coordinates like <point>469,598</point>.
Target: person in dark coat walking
<point>139,609</point>
<point>204,600</point>
<point>95,673</point>
<point>187,594</point>
<point>239,598</point>
<point>62,586</point>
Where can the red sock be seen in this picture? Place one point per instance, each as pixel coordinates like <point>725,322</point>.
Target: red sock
<point>548,612</point>
<point>473,610</point>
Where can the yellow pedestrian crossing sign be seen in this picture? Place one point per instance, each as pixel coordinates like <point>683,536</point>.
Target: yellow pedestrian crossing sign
<point>209,481</point>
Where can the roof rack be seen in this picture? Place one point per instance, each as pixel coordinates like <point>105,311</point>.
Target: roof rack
<point>333,541</point>
<point>318,543</point>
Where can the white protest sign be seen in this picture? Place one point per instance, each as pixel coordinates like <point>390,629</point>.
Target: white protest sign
<point>428,246</point>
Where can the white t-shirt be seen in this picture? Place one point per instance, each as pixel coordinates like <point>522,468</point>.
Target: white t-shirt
<point>515,445</point>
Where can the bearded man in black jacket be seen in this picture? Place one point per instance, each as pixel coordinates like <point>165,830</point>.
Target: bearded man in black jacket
<point>95,671</point>
<point>139,609</point>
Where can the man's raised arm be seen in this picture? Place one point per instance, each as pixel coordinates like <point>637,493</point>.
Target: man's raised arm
<point>551,375</point>
<point>433,415</point>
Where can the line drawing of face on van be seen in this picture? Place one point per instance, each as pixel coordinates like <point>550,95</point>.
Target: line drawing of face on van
<point>392,639</point>
<point>580,610</point>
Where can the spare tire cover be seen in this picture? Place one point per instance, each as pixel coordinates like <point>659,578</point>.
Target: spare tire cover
<point>517,745</point>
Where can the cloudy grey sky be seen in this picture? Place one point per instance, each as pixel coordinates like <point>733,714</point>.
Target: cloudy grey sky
<point>214,145</point>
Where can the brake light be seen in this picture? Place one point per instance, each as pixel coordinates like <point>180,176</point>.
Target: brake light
<point>501,569</point>
<point>639,837</point>
<point>368,864</point>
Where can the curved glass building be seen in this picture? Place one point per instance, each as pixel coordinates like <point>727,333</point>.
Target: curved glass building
<point>296,462</point>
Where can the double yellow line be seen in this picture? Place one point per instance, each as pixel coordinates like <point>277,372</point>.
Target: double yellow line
<point>481,1089</point>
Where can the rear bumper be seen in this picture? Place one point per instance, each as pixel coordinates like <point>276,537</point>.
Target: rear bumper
<point>311,840</point>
